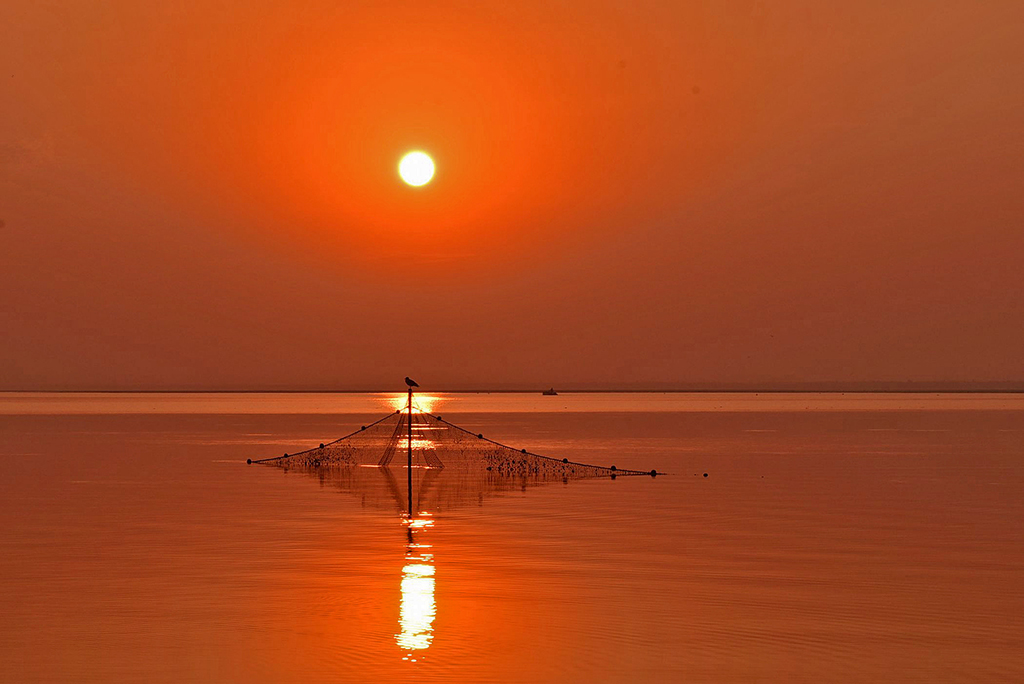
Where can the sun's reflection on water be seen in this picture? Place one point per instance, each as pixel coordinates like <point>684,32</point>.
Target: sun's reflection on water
<point>421,403</point>
<point>418,608</point>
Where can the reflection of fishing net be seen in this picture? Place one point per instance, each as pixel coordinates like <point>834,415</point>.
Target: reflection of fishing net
<point>436,443</point>
<point>451,466</point>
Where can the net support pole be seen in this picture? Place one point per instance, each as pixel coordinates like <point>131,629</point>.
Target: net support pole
<point>409,461</point>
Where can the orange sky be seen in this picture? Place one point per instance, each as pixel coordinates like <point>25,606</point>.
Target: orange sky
<point>203,194</point>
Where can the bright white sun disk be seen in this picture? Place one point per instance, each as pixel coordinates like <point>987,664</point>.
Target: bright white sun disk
<point>416,168</point>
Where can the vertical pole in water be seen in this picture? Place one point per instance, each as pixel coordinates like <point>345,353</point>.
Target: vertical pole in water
<point>409,462</point>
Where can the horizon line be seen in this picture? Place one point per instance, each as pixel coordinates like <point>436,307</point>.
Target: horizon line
<point>888,388</point>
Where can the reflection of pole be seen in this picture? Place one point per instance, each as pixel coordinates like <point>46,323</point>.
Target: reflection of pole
<point>409,463</point>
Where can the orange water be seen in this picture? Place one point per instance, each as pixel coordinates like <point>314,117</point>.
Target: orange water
<point>861,538</point>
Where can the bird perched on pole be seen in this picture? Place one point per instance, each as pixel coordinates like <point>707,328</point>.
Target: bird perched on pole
<point>410,382</point>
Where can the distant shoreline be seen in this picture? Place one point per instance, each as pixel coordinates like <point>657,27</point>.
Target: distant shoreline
<point>887,390</point>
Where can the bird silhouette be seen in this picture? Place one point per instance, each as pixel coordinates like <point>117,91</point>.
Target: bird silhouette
<point>410,382</point>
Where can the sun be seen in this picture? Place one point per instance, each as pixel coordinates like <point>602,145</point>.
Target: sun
<point>416,168</point>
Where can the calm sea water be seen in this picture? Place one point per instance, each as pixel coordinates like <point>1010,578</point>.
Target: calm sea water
<point>855,538</point>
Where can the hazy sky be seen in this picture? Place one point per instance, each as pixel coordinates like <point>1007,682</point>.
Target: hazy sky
<point>203,194</point>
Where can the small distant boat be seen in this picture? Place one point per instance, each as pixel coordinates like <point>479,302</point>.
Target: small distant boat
<point>550,392</point>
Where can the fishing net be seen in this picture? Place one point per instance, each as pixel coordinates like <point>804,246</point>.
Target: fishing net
<point>451,465</point>
<point>436,443</point>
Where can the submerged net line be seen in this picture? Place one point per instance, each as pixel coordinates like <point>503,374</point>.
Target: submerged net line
<point>326,448</point>
<point>437,444</point>
<point>547,460</point>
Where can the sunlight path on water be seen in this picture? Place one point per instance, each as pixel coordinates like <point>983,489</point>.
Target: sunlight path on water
<point>417,611</point>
